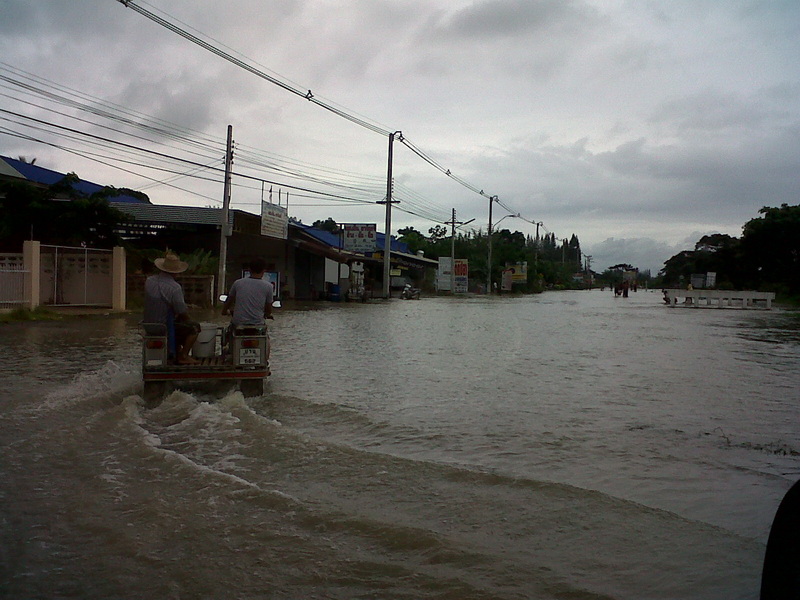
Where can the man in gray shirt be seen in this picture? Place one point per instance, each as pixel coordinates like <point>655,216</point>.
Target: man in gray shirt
<point>250,297</point>
<point>164,303</point>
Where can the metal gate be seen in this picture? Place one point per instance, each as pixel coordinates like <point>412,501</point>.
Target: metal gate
<point>12,280</point>
<point>75,276</point>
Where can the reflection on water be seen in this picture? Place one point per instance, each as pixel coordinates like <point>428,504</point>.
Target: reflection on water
<point>566,445</point>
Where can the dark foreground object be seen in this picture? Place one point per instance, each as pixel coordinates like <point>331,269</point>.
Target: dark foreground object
<point>780,579</point>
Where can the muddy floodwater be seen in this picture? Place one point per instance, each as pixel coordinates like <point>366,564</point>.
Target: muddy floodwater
<point>569,445</point>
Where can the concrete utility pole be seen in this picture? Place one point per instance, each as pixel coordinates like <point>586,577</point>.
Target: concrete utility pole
<point>224,229</point>
<point>387,242</point>
<point>588,258</point>
<point>489,259</point>
<point>536,251</point>
<point>453,224</point>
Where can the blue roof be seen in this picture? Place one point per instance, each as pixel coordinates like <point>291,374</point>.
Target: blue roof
<point>40,175</point>
<point>332,239</point>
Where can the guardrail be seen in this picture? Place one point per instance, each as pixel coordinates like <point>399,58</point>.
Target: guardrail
<point>719,298</point>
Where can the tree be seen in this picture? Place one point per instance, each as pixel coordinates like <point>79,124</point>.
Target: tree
<point>327,225</point>
<point>29,212</point>
<point>437,233</point>
<point>415,240</point>
<point>766,256</point>
<point>771,248</point>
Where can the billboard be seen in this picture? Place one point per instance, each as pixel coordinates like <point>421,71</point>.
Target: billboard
<point>519,272</point>
<point>359,237</point>
<point>274,220</point>
<point>445,272</point>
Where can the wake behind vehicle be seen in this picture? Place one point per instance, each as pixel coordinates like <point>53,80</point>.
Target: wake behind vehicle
<point>235,354</point>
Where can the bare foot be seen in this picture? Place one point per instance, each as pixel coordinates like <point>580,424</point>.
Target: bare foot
<point>187,360</point>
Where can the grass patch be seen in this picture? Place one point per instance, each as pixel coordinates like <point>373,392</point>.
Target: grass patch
<point>25,314</point>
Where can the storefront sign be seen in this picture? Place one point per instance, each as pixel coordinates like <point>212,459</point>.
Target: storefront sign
<point>359,237</point>
<point>274,220</point>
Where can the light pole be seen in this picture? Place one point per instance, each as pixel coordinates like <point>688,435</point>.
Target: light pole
<point>489,276</point>
<point>536,250</point>
<point>588,258</point>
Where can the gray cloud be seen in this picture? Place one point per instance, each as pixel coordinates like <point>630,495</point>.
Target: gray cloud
<point>637,123</point>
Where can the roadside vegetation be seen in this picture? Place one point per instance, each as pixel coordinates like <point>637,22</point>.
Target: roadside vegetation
<point>24,314</point>
<point>551,263</point>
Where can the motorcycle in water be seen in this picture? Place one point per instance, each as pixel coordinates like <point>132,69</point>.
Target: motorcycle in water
<point>240,355</point>
<point>410,293</point>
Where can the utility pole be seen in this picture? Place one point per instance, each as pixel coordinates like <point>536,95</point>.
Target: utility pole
<point>588,258</point>
<point>453,224</point>
<point>224,229</point>
<point>387,242</point>
<point>536,250</point>
<point>489,259</point>
<point>340,227</point>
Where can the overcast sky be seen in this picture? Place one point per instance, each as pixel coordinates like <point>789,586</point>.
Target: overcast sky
<point>636,125</point>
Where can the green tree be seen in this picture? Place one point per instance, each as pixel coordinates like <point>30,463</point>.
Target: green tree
<point>29,212</point>
<point>438,232</point>
<point>770,247</point>
<point>415,240</point>
<point>327,225</point>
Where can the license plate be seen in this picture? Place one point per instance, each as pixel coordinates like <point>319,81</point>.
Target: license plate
<point>250,356</point>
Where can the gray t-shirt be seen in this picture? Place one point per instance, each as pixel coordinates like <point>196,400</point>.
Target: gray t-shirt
<point>250,297</point>
<point>162,294</point>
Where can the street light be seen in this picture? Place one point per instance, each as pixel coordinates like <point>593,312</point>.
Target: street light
<point>501,220</point>
<point>489,260</point>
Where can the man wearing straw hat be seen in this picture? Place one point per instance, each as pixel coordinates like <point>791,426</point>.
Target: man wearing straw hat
<point>164,303</point>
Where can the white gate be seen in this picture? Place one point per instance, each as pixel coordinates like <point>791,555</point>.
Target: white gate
<point>12,280</point>
<point>75,276</point>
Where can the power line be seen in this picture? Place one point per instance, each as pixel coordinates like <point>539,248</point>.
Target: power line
<point>371,186</point>
<point>308,95</point>
<point>293,88</point>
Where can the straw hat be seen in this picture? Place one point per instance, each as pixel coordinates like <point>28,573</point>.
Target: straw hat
<point>171,263</point>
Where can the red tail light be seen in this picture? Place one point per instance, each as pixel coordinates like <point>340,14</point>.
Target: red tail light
<point>154,344</point>
<point>249,343</point>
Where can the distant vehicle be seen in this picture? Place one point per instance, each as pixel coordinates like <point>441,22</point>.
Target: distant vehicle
<point>410,293</point>
<point>238,354</point>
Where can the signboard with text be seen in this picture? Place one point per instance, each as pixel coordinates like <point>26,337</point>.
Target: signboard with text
<point>445,275</point>
<point>274,220</point>
<point>359,237</point>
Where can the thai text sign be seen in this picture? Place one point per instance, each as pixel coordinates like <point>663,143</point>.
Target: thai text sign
<point>274,220</point>
<point>359,237</point>
<point>460,274</point>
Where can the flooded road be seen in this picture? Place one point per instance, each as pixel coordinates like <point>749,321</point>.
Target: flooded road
<point>566,445</point>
